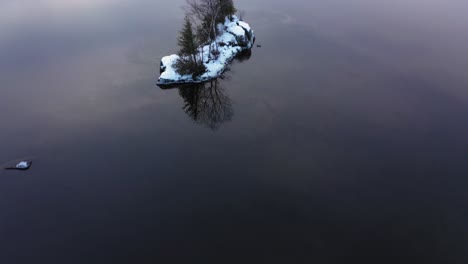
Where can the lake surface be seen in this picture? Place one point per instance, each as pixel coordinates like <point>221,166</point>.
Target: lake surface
<point>343,139</point>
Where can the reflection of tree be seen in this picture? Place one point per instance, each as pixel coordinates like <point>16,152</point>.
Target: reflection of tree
<point>207,104</point>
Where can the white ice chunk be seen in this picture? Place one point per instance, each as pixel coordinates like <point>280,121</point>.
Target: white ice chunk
<point>22,165</point>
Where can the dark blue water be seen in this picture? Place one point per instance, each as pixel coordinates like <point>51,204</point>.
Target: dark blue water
<point>342,139</point>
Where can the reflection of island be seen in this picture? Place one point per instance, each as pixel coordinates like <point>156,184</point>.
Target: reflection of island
<point>207,103</point>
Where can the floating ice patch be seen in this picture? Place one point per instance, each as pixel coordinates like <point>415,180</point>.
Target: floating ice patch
<point>22,165</point>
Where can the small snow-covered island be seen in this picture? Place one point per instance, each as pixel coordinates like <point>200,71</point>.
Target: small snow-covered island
<point>212,36</point>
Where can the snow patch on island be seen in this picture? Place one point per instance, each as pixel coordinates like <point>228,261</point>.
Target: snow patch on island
<point>235,36</point>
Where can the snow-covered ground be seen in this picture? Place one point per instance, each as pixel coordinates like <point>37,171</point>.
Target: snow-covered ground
<point>235,37</point>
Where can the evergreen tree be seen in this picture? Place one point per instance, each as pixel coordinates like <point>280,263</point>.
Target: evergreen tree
<point>188,63</point>
<point>188,41</point>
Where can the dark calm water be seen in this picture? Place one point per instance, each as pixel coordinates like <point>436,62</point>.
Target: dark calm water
<point>344,139</point>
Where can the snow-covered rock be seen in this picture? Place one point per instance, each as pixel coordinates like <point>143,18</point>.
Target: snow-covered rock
<point>22,165</point>
<point>235,37</point>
